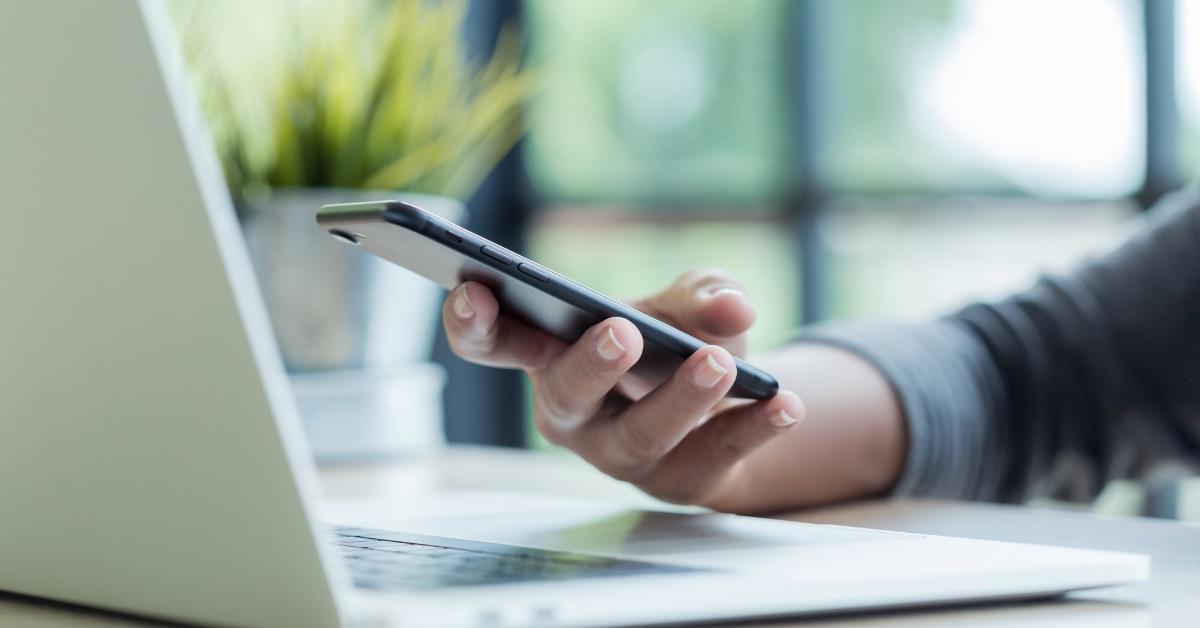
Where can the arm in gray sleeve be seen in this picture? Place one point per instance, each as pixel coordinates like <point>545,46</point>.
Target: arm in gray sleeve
<point>1058,389</point>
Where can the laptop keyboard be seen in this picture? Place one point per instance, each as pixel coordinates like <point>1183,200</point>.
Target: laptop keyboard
<point>382,560</point>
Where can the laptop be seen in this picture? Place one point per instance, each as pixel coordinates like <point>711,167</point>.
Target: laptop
<point>152,463</point>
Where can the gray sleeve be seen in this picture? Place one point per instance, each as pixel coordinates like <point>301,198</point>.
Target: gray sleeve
<point>1056,390</point>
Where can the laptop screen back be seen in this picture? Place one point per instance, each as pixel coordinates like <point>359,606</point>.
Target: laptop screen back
<point>142,465</point>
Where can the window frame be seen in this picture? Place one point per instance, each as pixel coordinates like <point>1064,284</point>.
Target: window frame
<point>508,202</point>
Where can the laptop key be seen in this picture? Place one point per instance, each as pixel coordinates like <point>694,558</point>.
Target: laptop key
<point>379,563</point>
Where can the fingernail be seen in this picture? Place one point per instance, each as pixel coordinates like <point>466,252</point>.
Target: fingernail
<point>608,347</point>
<point>708,372</point>
<point>462,305</point>
<point>780,418</point>
<point>713,292</point>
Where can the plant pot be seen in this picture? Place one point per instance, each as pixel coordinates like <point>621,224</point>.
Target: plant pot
<point>355,332</point>
<point>335,307</point>
<point>354,415</point>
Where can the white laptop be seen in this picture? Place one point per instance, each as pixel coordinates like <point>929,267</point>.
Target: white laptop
<point>150,456</point>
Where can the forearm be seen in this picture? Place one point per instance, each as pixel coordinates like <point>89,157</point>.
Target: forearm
<point>1054,390</point>
<point>851,444</point>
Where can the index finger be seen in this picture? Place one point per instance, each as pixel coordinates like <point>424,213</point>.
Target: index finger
<point>478,332</point>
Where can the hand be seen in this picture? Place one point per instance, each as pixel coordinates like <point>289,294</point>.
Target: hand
<point>681,440</point>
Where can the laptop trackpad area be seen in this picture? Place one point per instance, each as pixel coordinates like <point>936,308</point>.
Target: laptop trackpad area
<point>643,533</point>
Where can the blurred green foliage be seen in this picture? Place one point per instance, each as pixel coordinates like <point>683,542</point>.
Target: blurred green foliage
<point>868,55</point>
<point>630,259</point>
<point>358,95</point>
<point>668,101</point>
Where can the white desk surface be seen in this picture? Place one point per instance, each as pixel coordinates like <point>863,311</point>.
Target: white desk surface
<point>382,491</point>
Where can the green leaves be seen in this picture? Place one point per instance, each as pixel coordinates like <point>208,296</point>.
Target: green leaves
<point>363,96</point>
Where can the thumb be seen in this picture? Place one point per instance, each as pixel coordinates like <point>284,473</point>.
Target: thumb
<point>708,304</point>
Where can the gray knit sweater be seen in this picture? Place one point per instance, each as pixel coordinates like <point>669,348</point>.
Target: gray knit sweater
<point>1056,390</point>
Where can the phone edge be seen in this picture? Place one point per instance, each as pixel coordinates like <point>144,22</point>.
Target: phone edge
<point>752,381</point>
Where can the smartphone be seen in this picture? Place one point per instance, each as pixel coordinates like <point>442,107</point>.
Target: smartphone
<point>449,254</point>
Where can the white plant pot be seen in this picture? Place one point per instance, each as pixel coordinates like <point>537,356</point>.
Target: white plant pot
<point>370,414</point>
<point>355,332</point>
<point>332,306</point>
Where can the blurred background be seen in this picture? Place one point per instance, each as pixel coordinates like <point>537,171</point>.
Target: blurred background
<point>849,158</point>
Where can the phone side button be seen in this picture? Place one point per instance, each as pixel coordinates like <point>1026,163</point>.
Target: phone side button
<point>534,272</point>
<point>499,256</point>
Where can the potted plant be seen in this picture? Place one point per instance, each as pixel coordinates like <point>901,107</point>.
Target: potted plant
<point>357,100</point>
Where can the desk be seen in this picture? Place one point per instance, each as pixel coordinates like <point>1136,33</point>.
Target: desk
<point>1171,598</point>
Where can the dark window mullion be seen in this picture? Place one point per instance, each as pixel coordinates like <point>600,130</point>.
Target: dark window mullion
<point>485,405</point>
<point>807,194</point>
<point>1162,123</point>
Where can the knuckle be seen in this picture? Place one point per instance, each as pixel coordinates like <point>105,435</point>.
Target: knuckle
<point>553,433</point>
<point>552,404</point>
<point>724,502</point>
<point>638,443</point>
<point>705,275</point>
<point>466,341</point>
<point>480,350</point>
<point>727,450</point>
<point>596,371</point>
<point>490,340</point>
<point>624,470</point>
<point>582,363</point>
<point>676,493</point>
<point>692,494</point>
<point>708,487</point>
<point>461,347</point>
<point>714,278</point>
<point>730,439</point>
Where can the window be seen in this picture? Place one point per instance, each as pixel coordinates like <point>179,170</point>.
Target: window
<point>844,158</point>
<point>964,141</point>
<point>671,100</point>
<point>963,146</point>
<point>1041,97</point>
<point>919,258</point>
<point>631,259</point>
<point>1187,66</point>
<point>655,146</point>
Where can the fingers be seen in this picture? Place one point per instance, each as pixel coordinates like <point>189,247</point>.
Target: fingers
<point>630,444</point>
<point>708,304</point>
<point>702,469</point>
<point>666,441</point>
<point>477,332</point>
<point>574,384</point>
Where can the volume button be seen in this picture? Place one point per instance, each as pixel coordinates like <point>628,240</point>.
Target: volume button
<point>499,256</point>
<point>533,271</point>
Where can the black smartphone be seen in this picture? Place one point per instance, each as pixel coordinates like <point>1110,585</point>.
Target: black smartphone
<point>449,254</point>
